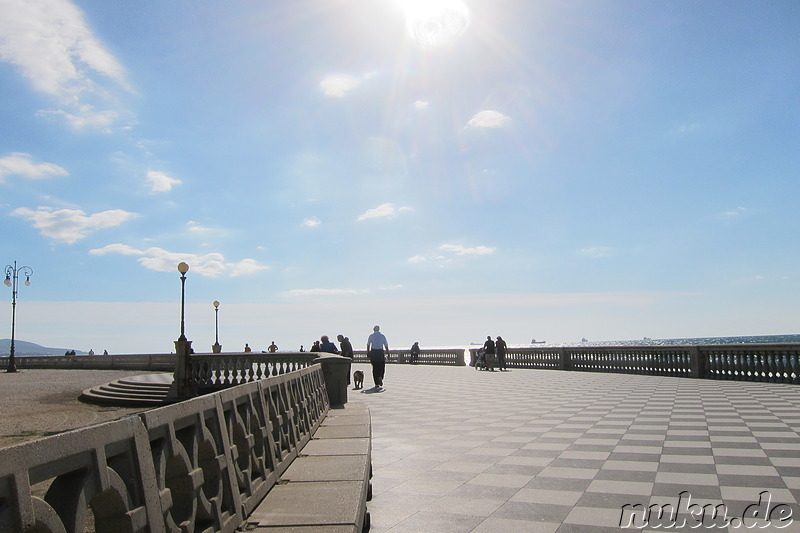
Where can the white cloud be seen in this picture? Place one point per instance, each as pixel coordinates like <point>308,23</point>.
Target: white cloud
<point>488,119</point>
<point>734,213</point>
<point>54,49</point>
<point>338,85</point>
<point>71,225</point>
<point>386,210</point>
<point>462,250</point>
<point>324,292</point>
<point>596,252</point>
<point>421,104</point>
<point>160,181</point>
<point>312,222</point>
<point>22,164</point>
<point>207,265</point>
<point>442,259</point>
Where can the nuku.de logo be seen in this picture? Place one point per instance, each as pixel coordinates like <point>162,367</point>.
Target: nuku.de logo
<point>693,516</point>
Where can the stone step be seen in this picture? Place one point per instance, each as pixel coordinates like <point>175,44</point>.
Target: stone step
<point>150,390</point>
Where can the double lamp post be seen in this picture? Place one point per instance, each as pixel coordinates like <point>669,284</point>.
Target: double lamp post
<point>12,280</point>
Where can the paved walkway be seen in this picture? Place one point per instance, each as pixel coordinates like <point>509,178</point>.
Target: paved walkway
<point>456,449</point>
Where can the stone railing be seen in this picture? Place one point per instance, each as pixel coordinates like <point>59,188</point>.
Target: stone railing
<point>215,371</point>
<point>776,363</point>
<point>451,357</point>
<point>154,362</point>
<point>199,465</point>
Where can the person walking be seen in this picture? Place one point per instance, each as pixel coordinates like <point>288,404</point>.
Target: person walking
<point>378,350</point>
<point>488,349</point>
<point>500,347</point>
<point>347,351</point>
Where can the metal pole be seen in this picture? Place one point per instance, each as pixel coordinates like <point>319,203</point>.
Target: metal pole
<point>183,292</point>
<point>216,325</point>
<point>12,280</point>
<point>12,362</point>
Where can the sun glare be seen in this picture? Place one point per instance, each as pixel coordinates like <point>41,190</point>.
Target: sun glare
<point>433,23</point>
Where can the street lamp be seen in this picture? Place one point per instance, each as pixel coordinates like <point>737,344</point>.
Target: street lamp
<point>183,268</point>
<point>182,385</point>
<point>12,280</point>
<point>216,348</point>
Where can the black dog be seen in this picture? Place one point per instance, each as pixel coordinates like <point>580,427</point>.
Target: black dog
<point>358,379</point>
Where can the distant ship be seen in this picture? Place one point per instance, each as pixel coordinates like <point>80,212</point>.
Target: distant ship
<point>534,341</point>
<point>584,340</point>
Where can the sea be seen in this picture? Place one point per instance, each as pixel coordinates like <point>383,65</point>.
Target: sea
<point>647,341</point>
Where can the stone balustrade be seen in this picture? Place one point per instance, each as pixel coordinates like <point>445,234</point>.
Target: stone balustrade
<point>203,464</point>
<point>779,363</point>
<point>775,363</point>
<point>454,357</point>
<point>216,371</point>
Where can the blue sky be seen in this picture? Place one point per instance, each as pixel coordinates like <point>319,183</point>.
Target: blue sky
<point>447,169</point>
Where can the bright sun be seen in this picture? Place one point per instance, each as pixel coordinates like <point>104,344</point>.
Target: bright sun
<point>433,23</point>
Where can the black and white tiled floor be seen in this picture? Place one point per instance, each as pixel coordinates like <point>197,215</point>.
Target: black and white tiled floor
<point>455,449</point>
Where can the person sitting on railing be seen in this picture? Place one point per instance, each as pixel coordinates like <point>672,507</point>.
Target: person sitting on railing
<point>315,347</point>
<point>273,347</point>
<point>247,348</point>
<point>326,345</point>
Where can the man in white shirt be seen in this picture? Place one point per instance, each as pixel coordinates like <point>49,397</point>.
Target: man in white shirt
<point>377,350</point>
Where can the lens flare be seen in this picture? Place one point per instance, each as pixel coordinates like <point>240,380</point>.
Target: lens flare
<point>434,23</point>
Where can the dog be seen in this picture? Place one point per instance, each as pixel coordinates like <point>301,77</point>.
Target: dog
<point>358,379</point>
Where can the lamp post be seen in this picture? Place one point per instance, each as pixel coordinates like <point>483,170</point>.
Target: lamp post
<point>217,348</point>
<point>183,268</point>
<point>12,280</point>
<point>182,385</point>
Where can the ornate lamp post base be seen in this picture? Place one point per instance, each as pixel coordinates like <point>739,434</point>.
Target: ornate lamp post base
<point>216,348</point>
<point>182,384</point>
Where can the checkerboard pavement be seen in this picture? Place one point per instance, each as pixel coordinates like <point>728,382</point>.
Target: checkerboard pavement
<point>455,449</point>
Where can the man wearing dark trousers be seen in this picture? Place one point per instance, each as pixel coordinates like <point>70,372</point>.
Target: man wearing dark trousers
<point>377,349</point>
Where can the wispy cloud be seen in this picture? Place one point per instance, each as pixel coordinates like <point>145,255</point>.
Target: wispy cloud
<point>463,250</point>
<point>324,292</point>
<point>596,252</point>
<point>160,181</point>
<point>55,50</point>
<point>733,213</point>
<point>207,265</point>
<point>311,222</point>
<point>23,165</point>
<point>446,252</point>
<point>338,85</point>
<point>71,225</point>
<point>488,118</point>
<point>421,104</point>
<point>386,210</point>
<point>685,129</point>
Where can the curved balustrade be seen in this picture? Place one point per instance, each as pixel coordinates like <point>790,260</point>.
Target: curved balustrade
<point>224,370</point>
<point>200,465</point>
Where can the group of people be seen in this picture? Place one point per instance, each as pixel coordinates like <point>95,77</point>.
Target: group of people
<point>495,350</point>
<point>377,352</point>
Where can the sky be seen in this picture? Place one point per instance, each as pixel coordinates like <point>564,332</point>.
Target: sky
<point>447,169</point>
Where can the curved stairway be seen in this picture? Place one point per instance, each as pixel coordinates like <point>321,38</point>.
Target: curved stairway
<point>146,390</point>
